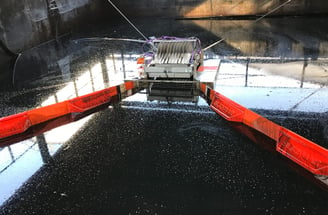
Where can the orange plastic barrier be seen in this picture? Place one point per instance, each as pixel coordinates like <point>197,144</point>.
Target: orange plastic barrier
<point>14,124</point>
<point>306,153</point>
<point>19,123</point>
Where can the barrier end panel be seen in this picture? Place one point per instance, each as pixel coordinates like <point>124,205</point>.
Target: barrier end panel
<point>311,156</point>
<point>227,108</point>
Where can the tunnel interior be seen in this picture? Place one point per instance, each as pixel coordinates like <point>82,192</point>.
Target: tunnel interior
<point>150,156</point>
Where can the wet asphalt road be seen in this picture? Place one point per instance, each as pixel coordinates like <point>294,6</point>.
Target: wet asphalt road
<point>158,161</point>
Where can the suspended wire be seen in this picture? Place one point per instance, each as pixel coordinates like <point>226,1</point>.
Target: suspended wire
<point>126,18</point>
<point>272,11</point>
<point>213,44</point>
<point>96,39</point>
<point>14,68</point>
<point>257,20</point>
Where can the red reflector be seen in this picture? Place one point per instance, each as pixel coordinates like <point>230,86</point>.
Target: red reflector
<point>207,68</point>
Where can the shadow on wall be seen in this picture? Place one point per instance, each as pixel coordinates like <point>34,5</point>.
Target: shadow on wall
<point>6,67</point>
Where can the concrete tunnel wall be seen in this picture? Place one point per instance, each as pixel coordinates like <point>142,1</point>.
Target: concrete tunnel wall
<point>28,23</point>
<point>24,24</point>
